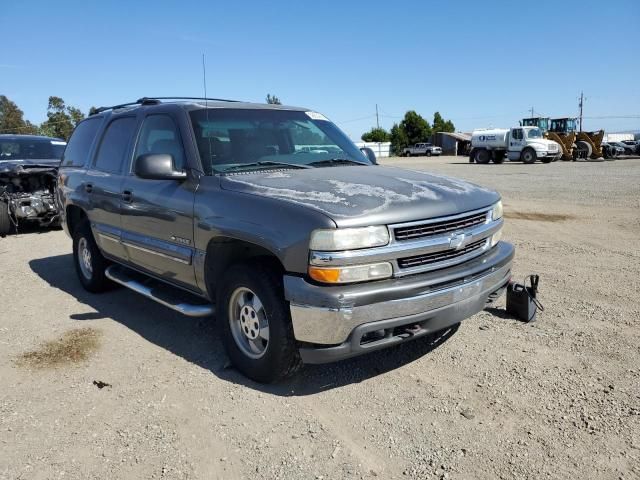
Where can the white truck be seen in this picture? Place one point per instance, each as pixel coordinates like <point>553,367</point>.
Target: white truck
<point>427,149</point>
<point>519,143</point>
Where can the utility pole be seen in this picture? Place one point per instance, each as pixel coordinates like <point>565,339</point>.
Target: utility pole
<point>377,119</point>
<point>581,103</point>
<point>531,112</point>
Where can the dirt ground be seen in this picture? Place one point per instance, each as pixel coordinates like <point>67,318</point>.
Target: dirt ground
<point>115,386</point>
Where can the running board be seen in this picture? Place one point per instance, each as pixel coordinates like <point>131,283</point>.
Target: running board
<point>174,298</point>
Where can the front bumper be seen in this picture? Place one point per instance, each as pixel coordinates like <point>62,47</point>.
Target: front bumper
<point>336,322</point>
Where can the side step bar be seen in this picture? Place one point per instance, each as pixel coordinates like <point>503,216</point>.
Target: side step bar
<point>178,300</point>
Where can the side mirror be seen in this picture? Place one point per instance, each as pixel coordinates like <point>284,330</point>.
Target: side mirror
<point>157,166</point>
<point>370,155</point>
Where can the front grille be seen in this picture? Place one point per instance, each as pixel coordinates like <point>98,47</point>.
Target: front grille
<point>428,258</point>
<point>438,228</point>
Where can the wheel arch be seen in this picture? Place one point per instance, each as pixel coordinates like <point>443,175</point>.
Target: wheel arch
<point>224,251</point>
<point>74,215</point>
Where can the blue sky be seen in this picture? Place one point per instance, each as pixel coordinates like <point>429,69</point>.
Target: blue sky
<point>479,63</point>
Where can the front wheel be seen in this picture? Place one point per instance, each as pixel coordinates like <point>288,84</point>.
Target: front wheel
<point>255,324</point>
<point>528,155</point>
<point>428,153</point>
<point>89,262</point>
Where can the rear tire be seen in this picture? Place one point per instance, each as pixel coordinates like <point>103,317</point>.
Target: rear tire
<point>89,262</point>
<point>482,156</point>
<point>428,153</point>
<point>250,299</point>
<point>528,155</point>
<point>5,220</point>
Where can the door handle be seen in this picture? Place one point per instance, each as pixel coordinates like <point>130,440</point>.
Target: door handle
<point>88,187</point>
<point>127,195</point>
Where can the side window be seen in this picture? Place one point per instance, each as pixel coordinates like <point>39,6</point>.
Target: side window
<point>113,146</point>
<point>517,134</point>
<point>160,134</point>
<point>77,151</point>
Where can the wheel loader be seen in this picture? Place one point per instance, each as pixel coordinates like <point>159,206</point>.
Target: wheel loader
<point>575,145</point>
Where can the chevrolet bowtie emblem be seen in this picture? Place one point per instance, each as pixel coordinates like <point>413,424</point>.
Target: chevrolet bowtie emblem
<point>456,241</point>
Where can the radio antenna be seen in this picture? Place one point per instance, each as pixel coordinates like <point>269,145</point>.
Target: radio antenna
<point>206,108</point>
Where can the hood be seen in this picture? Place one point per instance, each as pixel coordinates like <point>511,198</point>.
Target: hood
<point>372,195</point>
<point>15,162</point>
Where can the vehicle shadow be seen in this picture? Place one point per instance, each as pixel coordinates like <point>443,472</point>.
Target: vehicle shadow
<point>196,340</point>
<point>30,228</point>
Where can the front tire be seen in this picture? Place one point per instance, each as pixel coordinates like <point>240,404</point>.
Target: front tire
<point>428,153</point>
<point>255,324</point>
<point>528,155</point>
<point>89,262</point>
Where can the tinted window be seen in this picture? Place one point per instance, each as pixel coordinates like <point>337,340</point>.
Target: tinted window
<point>80,143</point>
<point>114,145</point>
<point>17,148</point>
<point>159,134</point>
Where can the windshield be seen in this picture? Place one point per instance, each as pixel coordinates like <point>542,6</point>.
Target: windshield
<point>252,139</point>
<point>30,149</point>
<point>534,133</point>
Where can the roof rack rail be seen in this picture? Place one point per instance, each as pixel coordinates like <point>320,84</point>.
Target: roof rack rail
<point>155,101</point>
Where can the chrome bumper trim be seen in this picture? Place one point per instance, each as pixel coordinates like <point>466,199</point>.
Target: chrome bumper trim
<point>332,326</point>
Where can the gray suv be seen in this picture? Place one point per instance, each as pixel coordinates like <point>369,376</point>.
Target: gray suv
<point>307,250</point>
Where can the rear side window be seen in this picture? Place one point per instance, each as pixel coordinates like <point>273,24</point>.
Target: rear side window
<point>77,151</point>
<point>114,145</point>
<point>159,134</point>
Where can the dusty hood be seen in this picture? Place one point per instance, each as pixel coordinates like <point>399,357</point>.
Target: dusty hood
<point>374,195</point>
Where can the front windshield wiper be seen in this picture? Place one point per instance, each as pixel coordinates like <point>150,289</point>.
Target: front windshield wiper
<point>336,161</point>
<point>265,163</point>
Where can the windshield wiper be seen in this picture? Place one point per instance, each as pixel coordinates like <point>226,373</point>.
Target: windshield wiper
<point>265,163</point>
<point>336,161</point>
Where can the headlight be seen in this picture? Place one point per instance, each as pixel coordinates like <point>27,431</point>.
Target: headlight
<point>356,273</point>
<point>496,214</point>
<point>349,238</point>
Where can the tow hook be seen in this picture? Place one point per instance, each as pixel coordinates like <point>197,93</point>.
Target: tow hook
<point>413,329</point>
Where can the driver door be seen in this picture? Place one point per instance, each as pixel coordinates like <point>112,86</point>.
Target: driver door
<point>157,215</point>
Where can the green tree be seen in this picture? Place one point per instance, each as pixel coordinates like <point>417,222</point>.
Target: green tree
<point>273,100</point>
<point>398,139</point>
<point>412,129</point>
<point>12,119</point>
<point>442,125</point>
<point>376,135</point>
<point>61,119</point>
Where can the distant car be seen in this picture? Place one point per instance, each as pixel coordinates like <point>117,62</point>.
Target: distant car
<point>427,149</point>
<point>627,149</point>
<point>609,150</point>
<point>634,144</point>
<point>28,169</point>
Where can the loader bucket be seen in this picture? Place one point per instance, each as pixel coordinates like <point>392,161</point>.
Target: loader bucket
<point>566,141</point>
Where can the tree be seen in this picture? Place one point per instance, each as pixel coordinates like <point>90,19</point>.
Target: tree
<point>273,100</point>
<point>12,119</point>
<point>442,125</point>
<point>61,120</point>
<point>412,129</point>
<point>376,135</point>
<point>398,139</point>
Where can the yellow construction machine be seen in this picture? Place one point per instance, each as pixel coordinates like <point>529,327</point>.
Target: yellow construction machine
<point>574,144</point>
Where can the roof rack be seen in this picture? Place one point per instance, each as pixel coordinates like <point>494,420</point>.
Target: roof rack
<point>155,101</point>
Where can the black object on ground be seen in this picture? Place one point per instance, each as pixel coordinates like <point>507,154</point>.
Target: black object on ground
<point>521,299</point>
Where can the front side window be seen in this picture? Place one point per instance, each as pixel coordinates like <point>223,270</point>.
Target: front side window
<point>252,139</point>
<point>114,145</point>
<point>159,134</point>
<point>517,134</point>
<point>80,143</point>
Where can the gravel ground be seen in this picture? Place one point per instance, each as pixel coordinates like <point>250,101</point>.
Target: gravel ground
<point>115,386</point>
